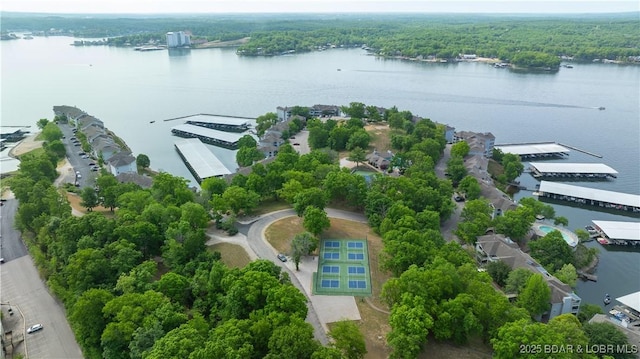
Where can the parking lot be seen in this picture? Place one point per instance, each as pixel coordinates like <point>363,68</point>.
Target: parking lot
<point>84,171</point>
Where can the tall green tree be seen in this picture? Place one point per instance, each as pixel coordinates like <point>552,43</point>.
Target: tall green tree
<point>302,245</point>
<point>89,198</point>
<point>348,339</point>
<point>315,220</point>
<point>143,161</point>
<point>535,297</point>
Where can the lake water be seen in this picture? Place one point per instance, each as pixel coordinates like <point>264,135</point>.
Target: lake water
<point>128,89</point>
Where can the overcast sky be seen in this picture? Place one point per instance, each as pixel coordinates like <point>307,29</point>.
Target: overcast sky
<point>323,6</point>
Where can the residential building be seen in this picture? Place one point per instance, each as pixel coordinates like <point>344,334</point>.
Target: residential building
<point>496,247</point>
<point>122,162</point>
<point>178,39</point>
<point>130,177</point>
<point>86,121</point>
<point>479,143</point>
<point>104,147</point>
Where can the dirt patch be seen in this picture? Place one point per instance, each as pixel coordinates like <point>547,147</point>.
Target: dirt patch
<point>380,137</point>
<point>28,144</point>
<point>74,201</point>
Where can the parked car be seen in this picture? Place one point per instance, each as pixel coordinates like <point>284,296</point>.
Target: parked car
<point>282,257</point>
<point>34,328</point>
<point>458,198</point>
<point>296,144</point>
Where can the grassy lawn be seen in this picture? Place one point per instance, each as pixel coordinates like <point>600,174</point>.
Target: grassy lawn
<point>380,137</point>
<point>233,255</point>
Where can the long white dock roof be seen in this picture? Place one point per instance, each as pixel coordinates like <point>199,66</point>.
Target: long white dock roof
<point>631,300</point>
<point>629,231</point>
<point>546,167</point>
<point>200,158</point>
<point>230,137</point>
<point>625,199</point>
<point>221,120</point>
<point>533,148</point>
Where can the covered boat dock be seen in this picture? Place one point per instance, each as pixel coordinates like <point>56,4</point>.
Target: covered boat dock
<point>213,137</point>
<point>535,150</point>
<point>621,233</point>
<point>589,171</point>
<point>199,159</point>
<point>222,123</point>
<point>590,196</point>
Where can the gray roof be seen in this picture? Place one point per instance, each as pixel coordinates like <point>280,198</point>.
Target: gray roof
<point>230,137</point>
<point>533,148</point>
<point>624,199</point>
<point>121,159</point>
<point>200,158</point>
<point>140,180</point>
<point>545,167</point>
<point>629,231</point>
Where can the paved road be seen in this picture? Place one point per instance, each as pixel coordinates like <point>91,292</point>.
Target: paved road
<point>11,247</point>
<point>22,289</point>
<point>447,227</point>
<point>79,164</point>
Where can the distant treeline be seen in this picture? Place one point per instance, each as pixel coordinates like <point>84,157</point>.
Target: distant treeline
<point>585,38</point>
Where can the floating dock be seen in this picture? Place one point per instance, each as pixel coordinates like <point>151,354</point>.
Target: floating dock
<point>590,196</point>
<point>200,160</point>
<point>535,150</point>
<point>582,171</point>
<point>620,233</point>
<point>221,123</point>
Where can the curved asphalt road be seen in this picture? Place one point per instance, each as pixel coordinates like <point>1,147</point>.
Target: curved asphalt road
<point>258,243</point>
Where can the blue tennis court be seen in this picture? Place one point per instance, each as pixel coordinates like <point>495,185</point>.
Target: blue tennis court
<point>355,256</point>
<point>330,283</point>
<point>330,269</point>
<point>332,244</point>
<point>343,268</point>
<point>329,255</point>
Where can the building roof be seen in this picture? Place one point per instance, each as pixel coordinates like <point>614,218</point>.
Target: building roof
<point>140,180</point>
<point>629,231</point>
<point>121,159</point>
<point>200,158</point>
<point>545,167</point>
<point>497,247</point>
<point>230,137</point>
<point>69,111</point>
<point>221,120</point>
<point>86,121</point>
<point>631,300</point>
<point>624,199</point>
<point>533,149</point>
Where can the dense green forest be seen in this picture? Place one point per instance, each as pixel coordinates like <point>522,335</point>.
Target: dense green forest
<point>528,41</point>
<point>140,283</point>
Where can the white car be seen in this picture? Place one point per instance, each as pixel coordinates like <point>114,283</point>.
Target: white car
<point>34,328</point>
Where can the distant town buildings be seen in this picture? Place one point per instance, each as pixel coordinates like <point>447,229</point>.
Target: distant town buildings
<point>178,39</point>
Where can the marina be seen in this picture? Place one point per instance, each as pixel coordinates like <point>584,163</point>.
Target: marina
<point>221,123</point>
<point>616,232</point>
<point>580,171</point>
<point>589,196</point>
<point>199,160</point>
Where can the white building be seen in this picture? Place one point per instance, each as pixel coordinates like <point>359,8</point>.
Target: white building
<point>178,39</point>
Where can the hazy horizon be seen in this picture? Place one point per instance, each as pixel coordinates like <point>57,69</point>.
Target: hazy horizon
<point>168,7</point>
